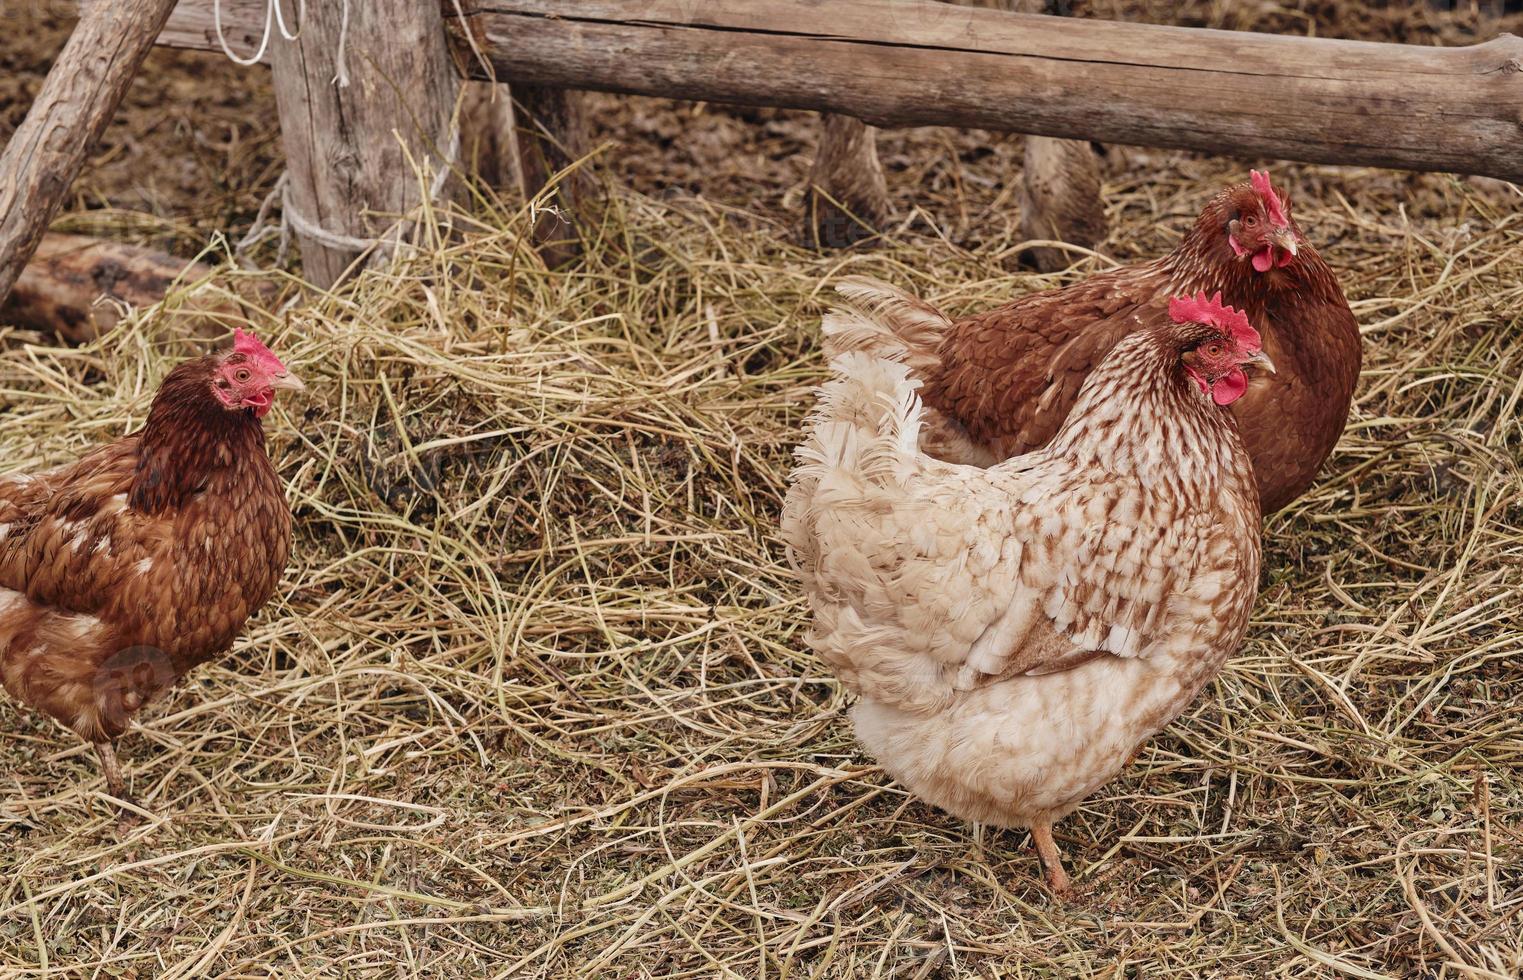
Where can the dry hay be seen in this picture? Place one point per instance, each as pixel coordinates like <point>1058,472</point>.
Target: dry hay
<point>532,700</point>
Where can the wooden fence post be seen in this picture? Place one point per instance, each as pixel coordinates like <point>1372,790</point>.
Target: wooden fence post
<point>847,197</point>
<point>1060,199</point>
<point>77,101</point>
<point>486,134</point>
<point>551,133</point>
<point>351,149</point>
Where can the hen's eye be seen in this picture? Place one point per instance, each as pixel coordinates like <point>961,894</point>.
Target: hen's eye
<point>1213,350</point>
<point>242,376</point>
<point>1251,220</point>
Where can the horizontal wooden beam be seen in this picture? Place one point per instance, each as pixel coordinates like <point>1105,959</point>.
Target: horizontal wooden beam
<point>917,62</point>
<point>914,63</point>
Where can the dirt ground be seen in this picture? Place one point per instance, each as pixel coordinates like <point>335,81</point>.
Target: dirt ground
<point>533,699</point>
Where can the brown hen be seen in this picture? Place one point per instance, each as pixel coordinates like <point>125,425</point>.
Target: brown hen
<point>124,570</point>
<point>1000,383</point>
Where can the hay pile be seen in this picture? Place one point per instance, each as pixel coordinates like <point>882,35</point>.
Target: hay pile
<point>532,700</point>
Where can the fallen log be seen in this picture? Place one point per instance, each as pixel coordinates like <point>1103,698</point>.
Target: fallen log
<point>77,287</point>
<point>77,101</point>
<point>915,63</point>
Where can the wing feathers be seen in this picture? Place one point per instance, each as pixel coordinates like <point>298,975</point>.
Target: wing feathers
<point>928,578</point>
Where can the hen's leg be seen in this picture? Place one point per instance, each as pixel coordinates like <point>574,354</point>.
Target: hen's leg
<point>1052,861</point>
<point>116,784</point>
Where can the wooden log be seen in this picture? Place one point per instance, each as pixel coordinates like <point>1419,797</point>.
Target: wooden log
<point>351,149</point>
<point>921,63</point>
<point>847,197</point>
<point>77,101</point>
<point>486,135</point>
<point>1060,199</point>
<point>913,63</point>
<point>76,286</point>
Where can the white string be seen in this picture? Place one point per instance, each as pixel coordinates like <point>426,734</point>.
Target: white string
<point>272,18</point>
<point>308,228</point>
<point>261,229</point>
<point>342,78</point>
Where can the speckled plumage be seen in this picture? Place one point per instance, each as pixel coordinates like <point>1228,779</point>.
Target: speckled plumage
<point>1000,383</point>
<point>124,570</point>
<point>1016,632</point>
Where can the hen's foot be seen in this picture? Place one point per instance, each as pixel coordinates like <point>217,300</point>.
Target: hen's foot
<point>1052,860</point>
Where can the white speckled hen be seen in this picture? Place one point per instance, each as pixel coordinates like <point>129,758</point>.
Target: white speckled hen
<point>1016,633</point>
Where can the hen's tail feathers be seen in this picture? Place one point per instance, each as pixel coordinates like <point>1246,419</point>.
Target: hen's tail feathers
<point>867,423</point>
<point>861,447</point>
<point>843,521</point>
<point>885,321</point>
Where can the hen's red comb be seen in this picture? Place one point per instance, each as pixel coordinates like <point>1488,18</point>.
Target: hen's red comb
<point>249,346</point>
<point>1199,309</point>
<point>1272,200</point>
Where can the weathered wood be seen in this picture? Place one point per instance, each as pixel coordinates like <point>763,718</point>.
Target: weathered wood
<point>1060,179</point>
<point>551,133</point>
<point>193,25</point>
<point>913,62</point>
<point>921,63</point>
<point>76,103</point>
<point>76,287</point>
<point>351,150</point>
<point>847,197</point>
<point>486,134</point>
<point>1060,199</point>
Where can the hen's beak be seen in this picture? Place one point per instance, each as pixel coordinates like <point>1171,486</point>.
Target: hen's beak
<point>1261,360</point>
<point>1286,238</point>
<point>287,382</point>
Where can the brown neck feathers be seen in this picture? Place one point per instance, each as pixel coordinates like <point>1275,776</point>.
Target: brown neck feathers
<point>190,439</point>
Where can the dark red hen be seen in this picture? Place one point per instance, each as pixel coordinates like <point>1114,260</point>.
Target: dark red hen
<point>124,570</point>
<point>1000,383</point>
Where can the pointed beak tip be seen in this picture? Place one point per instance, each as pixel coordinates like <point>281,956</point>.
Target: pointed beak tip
<point>1262,361</point>
<point>289,382</point>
